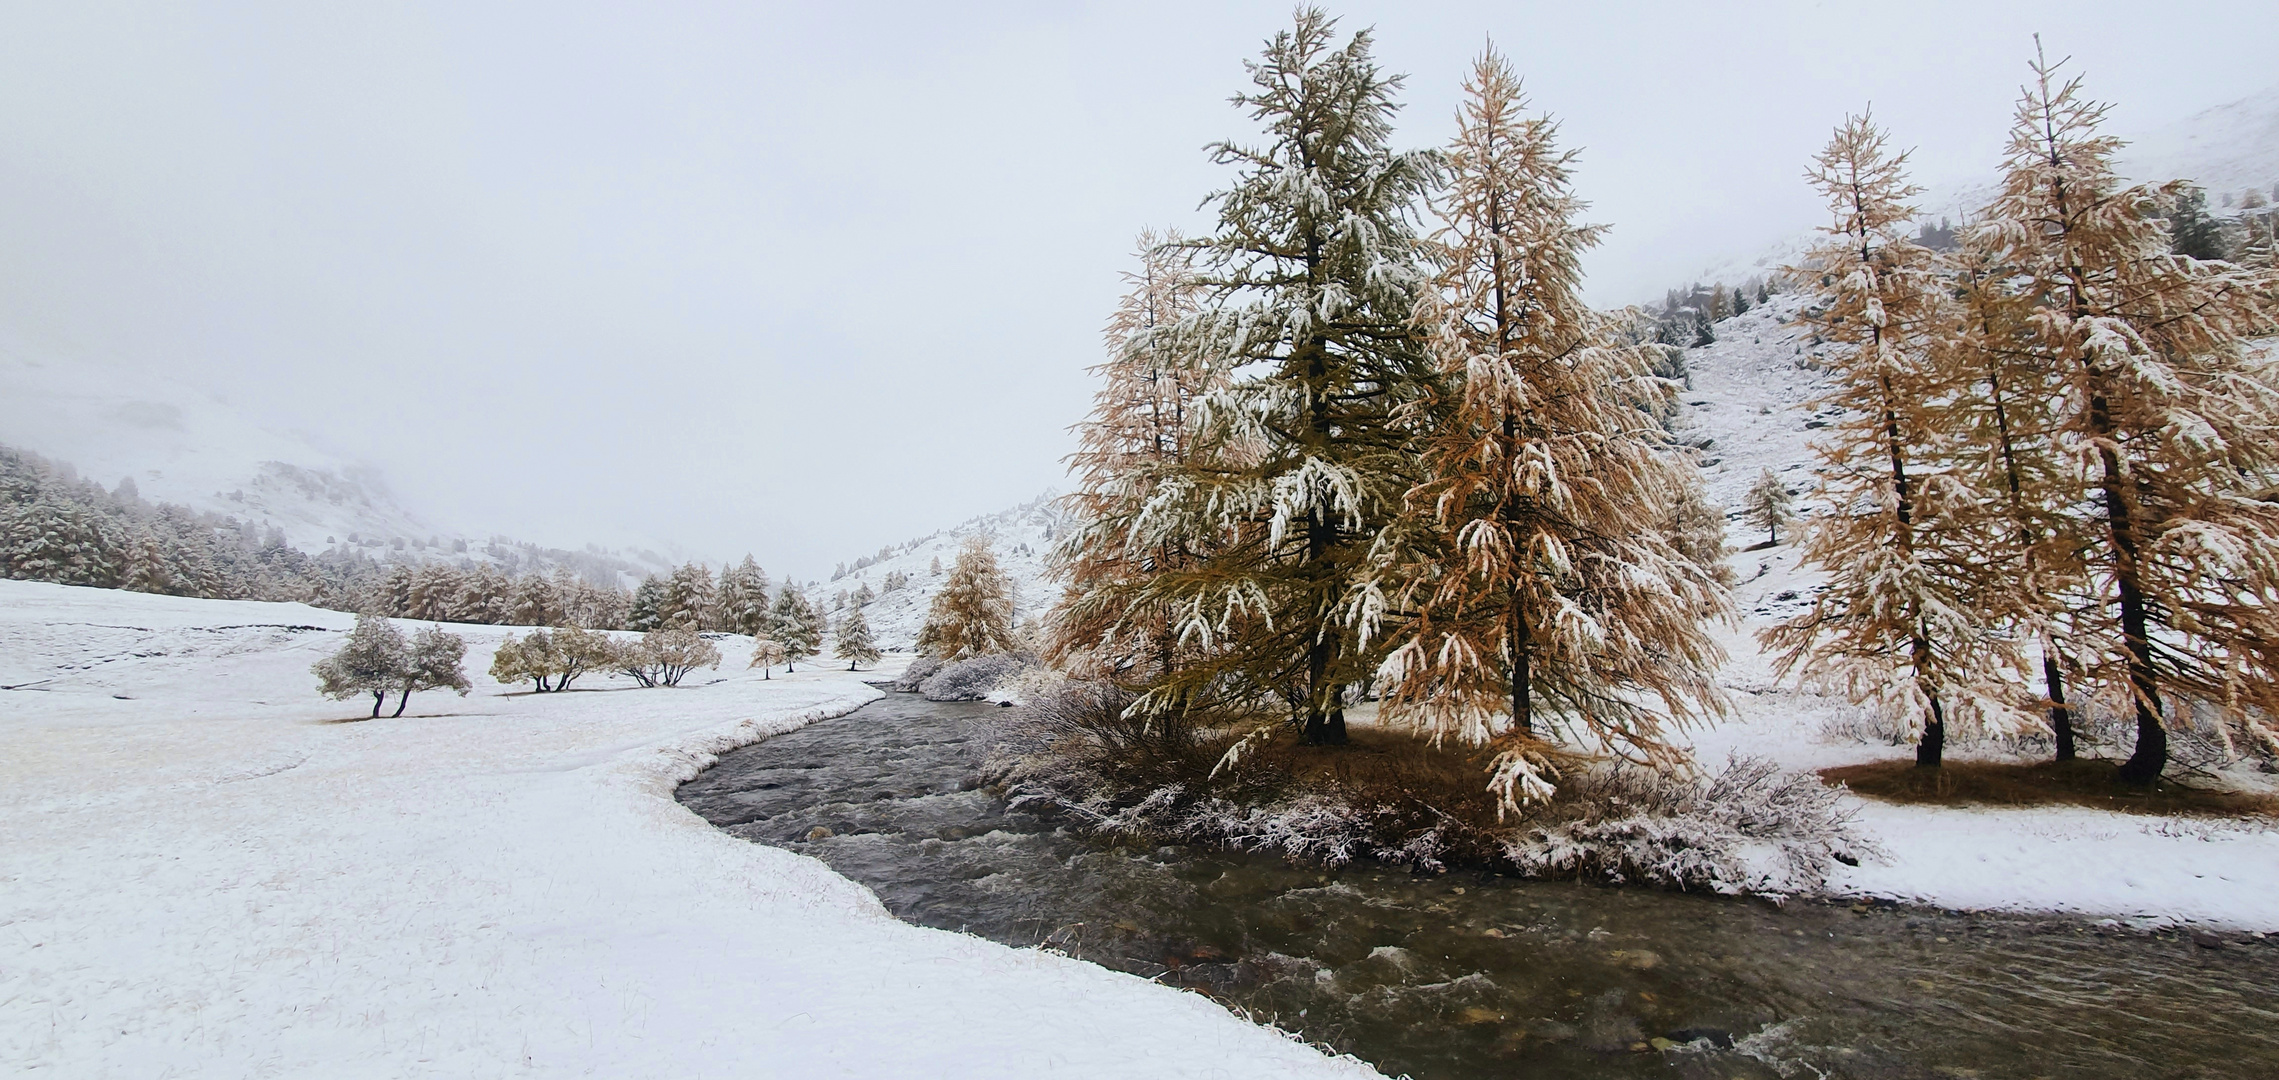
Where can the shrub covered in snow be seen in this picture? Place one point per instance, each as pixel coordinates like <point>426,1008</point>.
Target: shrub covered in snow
<point>972,680</point>
<point>916,674</point>
<point>1748,828</point>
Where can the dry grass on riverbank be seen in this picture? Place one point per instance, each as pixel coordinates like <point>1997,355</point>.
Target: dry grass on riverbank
<point>2091,782</point>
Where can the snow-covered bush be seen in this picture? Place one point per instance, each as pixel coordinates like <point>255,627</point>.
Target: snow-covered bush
<point>664,657</point>
<point>972,680</point>
<point>1749,828</point>
<point>1032,683</point>
<point>916,674</point>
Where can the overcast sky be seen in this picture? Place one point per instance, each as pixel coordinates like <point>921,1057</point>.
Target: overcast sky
<point>804,279</point>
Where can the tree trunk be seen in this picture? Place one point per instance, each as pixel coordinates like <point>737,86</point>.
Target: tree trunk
<point>401,702</point>
<point>1325,718</point>
<point>2061,718</point>
<point>379,698</point>
<point>2151,755</point>
<point>1931,752</point>
<point>1522,672</point>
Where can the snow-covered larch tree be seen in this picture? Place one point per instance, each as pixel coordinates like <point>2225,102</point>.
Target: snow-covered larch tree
<point>2003,410</point>
<point>1313,273</point>
<point>972,614</point>
<point>1900,622</point>
<point>742,602</point>
<point>2169,419</point>
<point>1769,504</point>
<point>795,625</point>
<point>1135,438</point>
<point>690,599</point>
<point>766,654</point>
<point>852,641</point>
<point>1532,581</point>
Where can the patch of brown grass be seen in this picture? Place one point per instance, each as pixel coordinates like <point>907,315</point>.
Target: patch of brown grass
<point>2090,782</point>
<point>1384,766</point>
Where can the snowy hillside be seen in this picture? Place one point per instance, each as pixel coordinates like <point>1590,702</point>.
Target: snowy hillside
<point>1021,537</point>
<point>169,442</point>
<point>180,445</point>
<point>1748,409</point>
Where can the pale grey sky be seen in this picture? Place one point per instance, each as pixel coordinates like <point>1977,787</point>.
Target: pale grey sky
<point>805,279</point>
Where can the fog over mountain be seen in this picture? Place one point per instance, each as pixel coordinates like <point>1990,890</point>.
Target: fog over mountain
<point>798,280</point>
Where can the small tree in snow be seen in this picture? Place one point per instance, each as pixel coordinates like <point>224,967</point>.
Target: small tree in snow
<point>528,658</point>
<point>766,654</point>
<point>1768,505</point>
<point>677,650</point>
<point>798,626</point>
<point>434,664</point>
<point>972,614</point>
<point>743,599</point>
<point>663,656</point>
<point>853,641</point>
<point>371,662</point>
<point>576,651</point>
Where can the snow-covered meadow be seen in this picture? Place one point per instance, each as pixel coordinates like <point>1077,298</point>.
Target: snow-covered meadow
<point>207,870</point>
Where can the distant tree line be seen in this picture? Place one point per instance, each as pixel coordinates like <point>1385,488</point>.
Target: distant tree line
<point>58,527</point>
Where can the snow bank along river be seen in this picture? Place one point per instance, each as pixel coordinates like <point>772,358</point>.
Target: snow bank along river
<point>204,873</point>
<point>1470,976</point>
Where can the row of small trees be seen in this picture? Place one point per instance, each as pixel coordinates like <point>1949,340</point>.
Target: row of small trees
<point>2056,454</point>
<point>1367,433</point>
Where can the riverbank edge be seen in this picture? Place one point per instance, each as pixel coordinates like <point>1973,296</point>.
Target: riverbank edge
<point>1933,858</point>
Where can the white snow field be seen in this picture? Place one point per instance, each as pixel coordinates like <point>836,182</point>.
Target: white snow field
<point>205,871</point>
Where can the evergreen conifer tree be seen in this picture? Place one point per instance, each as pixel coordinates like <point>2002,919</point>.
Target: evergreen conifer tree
<point>647,611</point>
<point>853,643</point>
<point>798,627</point>
<point>1304,455</point>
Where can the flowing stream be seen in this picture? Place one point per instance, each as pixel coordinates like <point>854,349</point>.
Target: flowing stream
<point>1470,975</point>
